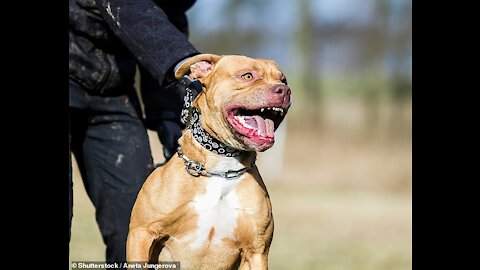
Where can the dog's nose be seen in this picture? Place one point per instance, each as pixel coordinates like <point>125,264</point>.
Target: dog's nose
<point>281,89</point>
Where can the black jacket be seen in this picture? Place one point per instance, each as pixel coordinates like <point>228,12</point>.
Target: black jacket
<point>108,37</point>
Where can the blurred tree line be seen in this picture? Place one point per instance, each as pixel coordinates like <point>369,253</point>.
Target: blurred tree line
<point>337,48</point>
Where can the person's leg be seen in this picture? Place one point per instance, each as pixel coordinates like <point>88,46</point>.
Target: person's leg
<point>77,127</point>
<point>117,160</point>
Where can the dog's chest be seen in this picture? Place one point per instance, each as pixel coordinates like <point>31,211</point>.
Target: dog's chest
<point>217,210</point>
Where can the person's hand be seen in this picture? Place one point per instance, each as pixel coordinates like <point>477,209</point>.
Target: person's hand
<point>169,132</point>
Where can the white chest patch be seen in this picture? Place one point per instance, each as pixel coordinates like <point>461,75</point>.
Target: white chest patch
<point>218,207</point>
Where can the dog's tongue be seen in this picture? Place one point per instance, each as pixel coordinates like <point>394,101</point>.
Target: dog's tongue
<point>264,127</point>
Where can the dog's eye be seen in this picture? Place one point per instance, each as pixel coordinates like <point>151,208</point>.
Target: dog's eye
<point>247,76</point>
<point>284,80</point>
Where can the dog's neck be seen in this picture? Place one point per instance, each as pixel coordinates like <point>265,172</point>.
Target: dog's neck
<point>212,162</point>
<point>208,141</point>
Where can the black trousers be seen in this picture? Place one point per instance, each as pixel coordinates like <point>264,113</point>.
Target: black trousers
<point>110,144</point>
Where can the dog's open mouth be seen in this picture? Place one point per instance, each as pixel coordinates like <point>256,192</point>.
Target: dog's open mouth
<point>257,125</point>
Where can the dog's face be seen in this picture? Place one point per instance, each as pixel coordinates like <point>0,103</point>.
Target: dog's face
<point>243,101</point>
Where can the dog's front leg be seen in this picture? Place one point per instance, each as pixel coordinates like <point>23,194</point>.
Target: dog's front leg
<point>139,242</point>
<point>254,261</point>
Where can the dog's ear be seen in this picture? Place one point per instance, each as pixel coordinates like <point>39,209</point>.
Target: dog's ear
<point>197,66</point>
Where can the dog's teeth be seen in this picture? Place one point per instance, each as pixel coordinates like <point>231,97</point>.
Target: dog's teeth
<point>241,119</point>
<point>262,109</point>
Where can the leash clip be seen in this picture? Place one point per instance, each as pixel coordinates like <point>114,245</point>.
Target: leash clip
<point>194,168</point>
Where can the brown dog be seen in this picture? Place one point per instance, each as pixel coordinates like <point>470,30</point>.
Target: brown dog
<point>208,206</point>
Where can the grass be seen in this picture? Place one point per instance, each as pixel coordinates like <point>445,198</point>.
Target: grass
<point>341,194</point>
<point>317,229</point>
